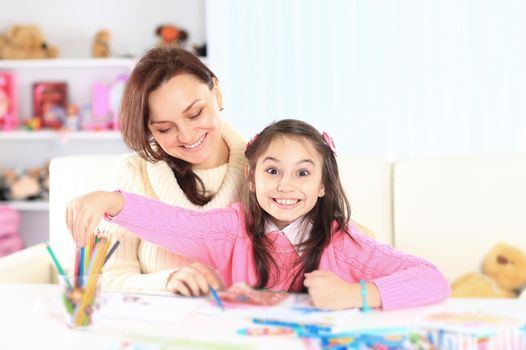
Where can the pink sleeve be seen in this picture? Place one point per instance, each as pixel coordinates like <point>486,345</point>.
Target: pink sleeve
<point>208,236</point>
<point>402,279</point>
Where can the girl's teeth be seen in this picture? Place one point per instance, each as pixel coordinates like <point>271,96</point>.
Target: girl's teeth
<point>286,201</point>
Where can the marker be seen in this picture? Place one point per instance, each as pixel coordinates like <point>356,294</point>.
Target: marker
<point>310,328</point>
<point>216,297</point>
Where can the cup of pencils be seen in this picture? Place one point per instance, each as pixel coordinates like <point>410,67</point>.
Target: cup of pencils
<point>81,300</point>
<point>80,291</point>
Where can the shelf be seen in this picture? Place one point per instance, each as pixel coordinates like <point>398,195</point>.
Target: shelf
<point>27,205</point>
<point>45,135</point>
<point>68,63</point>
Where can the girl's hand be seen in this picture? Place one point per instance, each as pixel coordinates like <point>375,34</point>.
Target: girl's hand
<point>83,214</point>
<point>328,291</point>
<point>194,279</point>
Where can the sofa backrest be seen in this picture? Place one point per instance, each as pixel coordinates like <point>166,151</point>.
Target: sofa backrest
<point>70,177</point>
<point>367,183</point>
<point>451,211</point>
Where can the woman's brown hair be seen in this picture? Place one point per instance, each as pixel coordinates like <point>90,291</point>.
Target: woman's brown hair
<point>331,209</point>
<point>154,69</point>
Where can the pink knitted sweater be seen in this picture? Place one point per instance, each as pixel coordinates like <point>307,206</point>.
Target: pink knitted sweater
<point>218,238</point>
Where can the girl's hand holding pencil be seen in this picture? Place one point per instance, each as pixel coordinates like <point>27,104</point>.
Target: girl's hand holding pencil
<point>83,214</point>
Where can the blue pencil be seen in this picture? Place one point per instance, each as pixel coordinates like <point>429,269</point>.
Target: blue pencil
<point>216,297</point>
<point>81,267</point>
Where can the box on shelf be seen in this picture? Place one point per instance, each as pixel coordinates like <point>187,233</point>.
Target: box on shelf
<point>50,100</point>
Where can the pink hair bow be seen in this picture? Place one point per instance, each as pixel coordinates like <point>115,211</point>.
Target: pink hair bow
<point>328,140</point>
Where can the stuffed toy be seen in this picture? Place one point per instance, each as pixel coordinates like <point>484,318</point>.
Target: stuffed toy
<point>25,42</point>
<point>32,184</point>
<point>503,275</point>
<point>101,44</point>
<point>171,35</point>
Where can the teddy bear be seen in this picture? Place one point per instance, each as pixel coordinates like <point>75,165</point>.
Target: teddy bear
<point>25,42</point>
<point>503,275</point>
<point>171,35</point>
<point>101,44</point>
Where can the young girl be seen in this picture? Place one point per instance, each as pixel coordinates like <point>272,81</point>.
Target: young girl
<point>292,231</point>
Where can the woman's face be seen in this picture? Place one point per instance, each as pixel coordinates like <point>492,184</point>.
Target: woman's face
<point>184,120</point>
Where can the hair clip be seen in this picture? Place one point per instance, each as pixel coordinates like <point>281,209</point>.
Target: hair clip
<point>251,141</point>
<point>328,140</point>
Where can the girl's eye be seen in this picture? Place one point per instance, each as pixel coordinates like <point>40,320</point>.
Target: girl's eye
<point>303,173</point>
<point>272,171</point>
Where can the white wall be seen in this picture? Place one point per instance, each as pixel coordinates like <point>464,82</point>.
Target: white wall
<point>71,24</point>
<point>406,78</point>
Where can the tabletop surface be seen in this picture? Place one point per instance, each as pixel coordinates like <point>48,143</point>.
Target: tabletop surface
<point>31,318</point>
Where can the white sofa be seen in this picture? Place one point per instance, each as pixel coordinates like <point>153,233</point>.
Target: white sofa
<point>447,210</point>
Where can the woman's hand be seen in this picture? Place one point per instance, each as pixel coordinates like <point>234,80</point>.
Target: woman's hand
<point>328,291</point>
<point>193,280</point>
<point>83,214</point>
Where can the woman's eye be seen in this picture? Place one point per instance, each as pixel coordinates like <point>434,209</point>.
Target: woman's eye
<point>303,173</point>
<point>195,115</point>
<point>163,131</point>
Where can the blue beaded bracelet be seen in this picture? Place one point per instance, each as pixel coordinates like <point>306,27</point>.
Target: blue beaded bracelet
<point>363,291</point>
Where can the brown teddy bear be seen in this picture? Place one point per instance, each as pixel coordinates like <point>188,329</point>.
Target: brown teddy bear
<point>101,44</point>
<point>503,275</point>
<point>25,42</point>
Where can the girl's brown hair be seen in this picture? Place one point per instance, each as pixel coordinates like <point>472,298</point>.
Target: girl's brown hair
<point>331,209</point>
<point>154,69</point>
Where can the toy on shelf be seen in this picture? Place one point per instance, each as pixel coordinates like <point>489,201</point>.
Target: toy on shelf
<point>503,275</point>
<point>50,100</point>
<point>101,44</point>
<point>8,109</point>
<point>72,122</point>
<point>171,35</point>
<point>33,124</point>
<point>29,185</point>
<point>105,105</point>
<point>25,42</point>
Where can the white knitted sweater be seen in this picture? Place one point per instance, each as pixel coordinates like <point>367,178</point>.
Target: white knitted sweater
<point>138,264</point>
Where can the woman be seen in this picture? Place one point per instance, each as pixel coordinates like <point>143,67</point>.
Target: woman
<point>185,155</point>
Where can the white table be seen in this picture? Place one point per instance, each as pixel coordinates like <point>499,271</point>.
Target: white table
<point>27,321</point>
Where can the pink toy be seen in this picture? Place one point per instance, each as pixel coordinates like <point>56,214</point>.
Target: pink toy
<point>8,105</point>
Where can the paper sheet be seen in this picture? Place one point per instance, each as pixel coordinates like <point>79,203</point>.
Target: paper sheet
<point>296,308</point>
<point>142,307</point>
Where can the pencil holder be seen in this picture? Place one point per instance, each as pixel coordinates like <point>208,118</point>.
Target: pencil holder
<point>81,299</point>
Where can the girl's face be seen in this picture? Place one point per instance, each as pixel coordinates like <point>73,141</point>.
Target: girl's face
<point>184,120</point>
<point>288,179</point>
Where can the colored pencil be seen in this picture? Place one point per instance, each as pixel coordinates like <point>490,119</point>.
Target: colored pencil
<point>216,297</point>
<point>57,265</point>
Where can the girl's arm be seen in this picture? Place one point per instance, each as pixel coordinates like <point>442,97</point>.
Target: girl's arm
<point>328,291</point>
<point>207,236</point>
<point>136,264</point>
<point>400,280</point>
